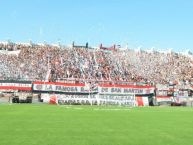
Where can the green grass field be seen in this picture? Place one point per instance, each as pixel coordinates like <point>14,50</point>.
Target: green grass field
<point>85,125</point>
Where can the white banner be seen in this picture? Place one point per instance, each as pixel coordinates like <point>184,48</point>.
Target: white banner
<point>129,90</point>
<point>101,89</point>
<point>61,88</point>
<point>164,99</point>
<point>124,100</point>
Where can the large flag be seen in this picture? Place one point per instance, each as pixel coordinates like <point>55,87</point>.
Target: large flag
<point>142,101</point>
<point>53,99</point>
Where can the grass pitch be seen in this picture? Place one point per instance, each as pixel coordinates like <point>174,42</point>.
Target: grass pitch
<point>86,125</point>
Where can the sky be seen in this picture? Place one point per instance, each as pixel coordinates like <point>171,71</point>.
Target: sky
<point>158,24</point>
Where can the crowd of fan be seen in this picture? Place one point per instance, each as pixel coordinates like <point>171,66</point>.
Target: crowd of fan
<point>36,62</point>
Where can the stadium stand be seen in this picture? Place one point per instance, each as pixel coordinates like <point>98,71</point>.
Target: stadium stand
<point>35,62</point>
<point>100,73</point>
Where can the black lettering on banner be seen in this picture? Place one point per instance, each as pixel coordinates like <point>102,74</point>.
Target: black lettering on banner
<point>116,90</point>
<point>49,87</point>
<point>126,91</point>
<point>136,91</point>
<point>66,89</point>
<point>39,87</point>
<point>82,89</point>
<point>104,90</point>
